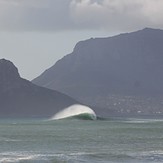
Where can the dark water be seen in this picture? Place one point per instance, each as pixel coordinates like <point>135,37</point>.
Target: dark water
<point>81,141</point>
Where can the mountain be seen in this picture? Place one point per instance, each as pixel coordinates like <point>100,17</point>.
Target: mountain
<point>21,98</point>
<point>120,72</point>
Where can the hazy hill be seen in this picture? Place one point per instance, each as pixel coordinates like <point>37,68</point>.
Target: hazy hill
<point>125,67</point>
<point>21,98</point>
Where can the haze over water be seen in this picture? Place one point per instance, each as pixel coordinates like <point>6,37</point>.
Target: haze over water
<point>75,141</point>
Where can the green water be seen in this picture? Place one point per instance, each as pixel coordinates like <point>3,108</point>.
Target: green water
<point>75,141</point>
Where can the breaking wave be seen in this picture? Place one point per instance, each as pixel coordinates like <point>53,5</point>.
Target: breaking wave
<point>76,112</point>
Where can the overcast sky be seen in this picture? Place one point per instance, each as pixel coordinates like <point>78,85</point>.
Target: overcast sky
<point>34,34</point>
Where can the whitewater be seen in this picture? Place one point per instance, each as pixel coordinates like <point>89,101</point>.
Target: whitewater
<point>78,141</point>
<point>76,111</point>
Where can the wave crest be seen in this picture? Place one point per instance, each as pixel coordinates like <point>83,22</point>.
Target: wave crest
<point>76,111</point>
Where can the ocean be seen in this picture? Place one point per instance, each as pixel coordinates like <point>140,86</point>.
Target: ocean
<point>127,140</point>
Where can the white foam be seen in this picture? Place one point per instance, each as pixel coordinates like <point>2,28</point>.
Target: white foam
<point>135,120</point>
<point>74,110</point>
<point>9,157</point>
<point>9,139</point>
<point>15,157</point>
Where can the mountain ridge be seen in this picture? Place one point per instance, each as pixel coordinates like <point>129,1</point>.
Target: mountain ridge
<point>129,64</point>
<point>21,98</point>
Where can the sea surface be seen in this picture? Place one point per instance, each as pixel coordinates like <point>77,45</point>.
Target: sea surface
<point>81,141</point>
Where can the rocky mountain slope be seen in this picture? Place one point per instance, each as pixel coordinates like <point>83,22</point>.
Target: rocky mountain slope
<point>126,67</point>
<point>21,98</point>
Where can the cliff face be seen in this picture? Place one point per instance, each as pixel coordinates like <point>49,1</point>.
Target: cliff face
<point>21,98</point>
<point>128,64</point>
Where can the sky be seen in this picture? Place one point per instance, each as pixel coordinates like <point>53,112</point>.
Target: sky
<point>34,34</point>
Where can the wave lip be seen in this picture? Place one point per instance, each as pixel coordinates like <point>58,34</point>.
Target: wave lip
<point>76,111</point>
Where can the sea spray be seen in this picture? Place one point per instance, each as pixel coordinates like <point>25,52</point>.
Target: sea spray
<point>77,111</point>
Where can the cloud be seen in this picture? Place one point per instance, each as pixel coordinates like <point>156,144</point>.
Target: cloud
<point>118,14</point>
<point>58,15</point>
<point>31,15</point>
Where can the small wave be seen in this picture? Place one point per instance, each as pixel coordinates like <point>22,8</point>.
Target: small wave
<point>147,156</point>
<point>126,157</point>
<point>156,156</point>
<point>16,157</point>
<point>137,120</point>
<point>20,157</point>
<point>3,139</point>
